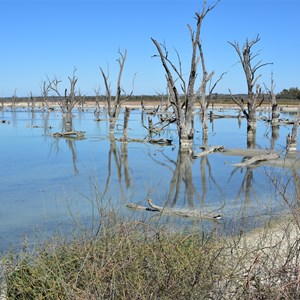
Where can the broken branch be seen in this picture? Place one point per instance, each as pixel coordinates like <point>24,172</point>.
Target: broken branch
<point>174,211</point>
<point>257,159</point>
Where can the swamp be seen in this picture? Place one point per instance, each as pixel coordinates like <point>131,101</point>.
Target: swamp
<point>51,181</point>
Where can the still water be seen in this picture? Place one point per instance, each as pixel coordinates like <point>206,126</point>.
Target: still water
<point>48,181</point>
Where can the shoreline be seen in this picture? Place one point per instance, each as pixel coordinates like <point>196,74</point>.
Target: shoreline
<point>148,105</point>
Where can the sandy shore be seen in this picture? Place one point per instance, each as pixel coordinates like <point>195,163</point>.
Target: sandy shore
<point>151,105</point>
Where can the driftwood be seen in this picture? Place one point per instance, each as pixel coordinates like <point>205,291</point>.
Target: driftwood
<point>286,122</point>
<point>69,134</point>
<point>288,161</point>
<point>165,142</point>
<point>226,116</point>
<point>245,152</point>
<point>175,211</point>
<point>256,159</point>
<point>37,126</point>
<point>132,140</point>
<point>211,149</point>
<point>161,142</point>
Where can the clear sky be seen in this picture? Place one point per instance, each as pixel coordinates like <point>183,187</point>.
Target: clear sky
<point>49,38</point>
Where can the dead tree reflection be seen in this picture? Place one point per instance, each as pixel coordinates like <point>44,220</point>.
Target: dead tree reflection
<point>182,174</point>
<point>72,147</point>
<point>33,116</point>
<point>182,184</point>
<point>246,185</point>
<point>66,126</point>
<point>274,131</point>
<point>275,136</point>
<point>120,159</point>
<point>251,140</point>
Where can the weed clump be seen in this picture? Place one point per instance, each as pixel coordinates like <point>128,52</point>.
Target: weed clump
<point>133,260</point>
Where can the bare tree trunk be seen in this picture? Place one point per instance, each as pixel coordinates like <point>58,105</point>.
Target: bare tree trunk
<point>256,98</point>
<point>275,107</point>
<point>183,111</point>
<point>14,99</point>
<point>292,139</point>
<point>251,129</point>
<point>45,90</point>
<point>114,103</point>
<point>184,106</point>
<point>125,126</point>
<point>69,100</point>
<point>67,122</point>
<point>202,90</point>
<point>31,101</point>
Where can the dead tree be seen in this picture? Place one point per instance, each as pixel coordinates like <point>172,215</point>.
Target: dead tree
<point>97,100</point>
<point>14,99</point>
<point>67,101</point>
<point>274,104</point>
<point>45,90</point>
<point>255,95</point>
<point>205,98</point>
<point>292,139</point>
<point>184,106</point>
<point>31,100</point>
<point>275,112</point>
<point>202,91</point>
<point>114,103</point>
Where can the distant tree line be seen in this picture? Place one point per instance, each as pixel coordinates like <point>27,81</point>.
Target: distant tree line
<point>291,93</point>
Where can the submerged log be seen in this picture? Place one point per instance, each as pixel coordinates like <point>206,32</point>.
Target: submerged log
<point>165,142</point>
<point>246,152</point>
<point>211,149</point>
<point>161,142</point>
<point>227,116</point>
<point>257,159</point>
<point>69,134</point>
<point>175,211</point>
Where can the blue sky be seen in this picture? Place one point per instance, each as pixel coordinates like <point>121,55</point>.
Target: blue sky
<point>50,38</point>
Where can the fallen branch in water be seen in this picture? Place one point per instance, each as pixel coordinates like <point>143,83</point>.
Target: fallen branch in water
<point>161,141</point>
<point>175,211</point>
<point>69,134</point>
<point>211,149</point>
<point>257,159</point>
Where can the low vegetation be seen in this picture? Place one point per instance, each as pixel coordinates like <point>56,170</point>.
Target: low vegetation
<point>135,260</point>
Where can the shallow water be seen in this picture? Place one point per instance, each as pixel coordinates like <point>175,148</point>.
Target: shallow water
<point>47,181</point>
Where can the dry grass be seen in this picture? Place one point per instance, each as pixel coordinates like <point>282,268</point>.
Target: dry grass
<point>130,261</point>
<point>136,261</point>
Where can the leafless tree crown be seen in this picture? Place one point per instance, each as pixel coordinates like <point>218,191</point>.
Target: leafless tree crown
<point>184,108</point>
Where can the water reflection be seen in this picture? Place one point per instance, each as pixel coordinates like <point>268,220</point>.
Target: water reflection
<point>120,159</point>
<point>72,148</point>
<point>66,126</point>
<point>126,171</point>
<point>184,190</point>
<point>275,136</point>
